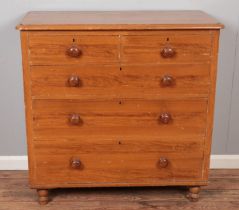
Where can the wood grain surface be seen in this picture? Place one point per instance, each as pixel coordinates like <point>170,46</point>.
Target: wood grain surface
<point>115,168</point>
<point>118,20</point>
<point>119,118</point>
<point>127,81</point>
<point>222,193</point>
<point>51,49</point>
<point>188,47</point>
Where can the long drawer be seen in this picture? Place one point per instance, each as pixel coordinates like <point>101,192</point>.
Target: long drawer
<point>52,118</point>
<point>109,81</point>
<point>69,165</point>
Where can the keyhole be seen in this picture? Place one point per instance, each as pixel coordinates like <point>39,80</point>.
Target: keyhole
<point>120,68</point>
<point>167,39</point>
<point>120,102</point>
<point>73,40</point>
<point>119,142</point>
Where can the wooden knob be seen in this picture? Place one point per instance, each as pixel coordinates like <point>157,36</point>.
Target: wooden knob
<point>74,81</point>
<point>163,162</point>
<point>75,163</point>
<point>165,118</point>
<point>74,51</point>
<point>168,52</point>
<point>167,81</point>
<point>75,119</point>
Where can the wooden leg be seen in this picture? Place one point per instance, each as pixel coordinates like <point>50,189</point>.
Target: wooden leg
<point>193,194</point>
<point>43,196</point>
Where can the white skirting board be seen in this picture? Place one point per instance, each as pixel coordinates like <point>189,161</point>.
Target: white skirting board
<point>217,162</point>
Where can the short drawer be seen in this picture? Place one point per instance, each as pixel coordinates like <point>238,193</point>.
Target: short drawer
<point>165,80</point>
<point>87,81</point>
<point>54,118</point>
<point>110,81</point>
<point>68,165</point>
<point>171,47</point>
<point>60,48</point>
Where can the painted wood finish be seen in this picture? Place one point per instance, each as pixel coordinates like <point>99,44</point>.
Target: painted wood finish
<point>53,49</point>
<point>125,81</point>
<point>109,168</point>
<point>108,104</point>
<point>118,20</point>
<point>119,117</point>
<point>184,47</point>
<point>114,48</point>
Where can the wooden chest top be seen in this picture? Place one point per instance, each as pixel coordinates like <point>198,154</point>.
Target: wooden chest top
<point>118,20</point>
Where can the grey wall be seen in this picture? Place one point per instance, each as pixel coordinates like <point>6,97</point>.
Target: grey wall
<point>12,128</point>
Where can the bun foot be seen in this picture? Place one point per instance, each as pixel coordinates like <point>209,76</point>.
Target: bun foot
<point>43,198</point>
<point>193,194</point>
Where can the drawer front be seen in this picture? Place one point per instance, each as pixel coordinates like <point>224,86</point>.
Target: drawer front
<point>52,118</point>
<point>107,81</point>
<point>169,80</point>
<point>87,81</point>
<point>71,165</point>
<point>122,144</point>
<point>172,47</point>
<point>58,49</point>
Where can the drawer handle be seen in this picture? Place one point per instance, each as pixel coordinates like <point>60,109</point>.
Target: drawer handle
<point>75,163</point>
<point>163,162</point>
<point>167,81</point>
<point>168,52</point>
<point>165,118</point>
<point>74,51</point>
<point>74,81</point>
<point>75,119</point>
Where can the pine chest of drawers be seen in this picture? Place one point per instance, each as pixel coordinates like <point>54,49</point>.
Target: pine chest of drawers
<point>119,98</point>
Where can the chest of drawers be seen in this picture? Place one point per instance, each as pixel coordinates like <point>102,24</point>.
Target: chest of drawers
<point>119,98</point>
